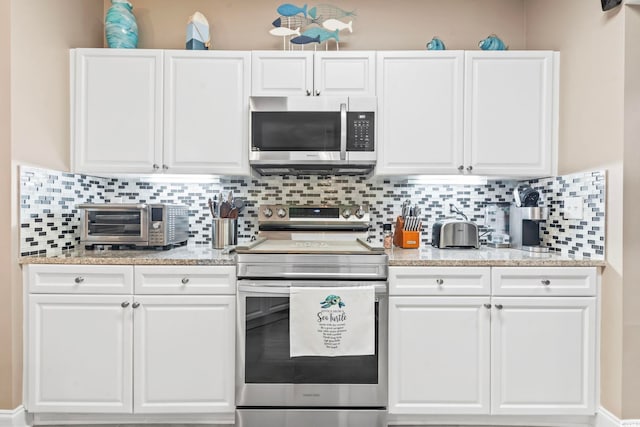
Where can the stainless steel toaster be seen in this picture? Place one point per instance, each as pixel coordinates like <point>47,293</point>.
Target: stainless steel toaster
<point>453,233</point>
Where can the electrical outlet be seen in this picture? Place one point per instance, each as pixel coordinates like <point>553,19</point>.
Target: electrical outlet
<point>573,208</point>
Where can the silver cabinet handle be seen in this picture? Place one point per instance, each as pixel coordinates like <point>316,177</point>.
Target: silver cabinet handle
<point>135,304</point>
<point>460,168</point>
<point>439,282</point>
<point>546,282</point>
<point>308,92</point>
<point>125,304</point>
<point>469,168</point>
<point>155,167</point>
<point>185,280</point>
<point>487,306</point>
<point>499,306</point>
<point>79,279</point>
<point>317,92</point>
<point>165,167</point>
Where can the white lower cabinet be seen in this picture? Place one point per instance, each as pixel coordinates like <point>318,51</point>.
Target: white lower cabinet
<point>438,355</point>
<point>496,355</point>
<point>79,353</point>
<point>127,353</point>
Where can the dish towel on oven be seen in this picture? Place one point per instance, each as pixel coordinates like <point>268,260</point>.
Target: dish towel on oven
<point>332,321</point>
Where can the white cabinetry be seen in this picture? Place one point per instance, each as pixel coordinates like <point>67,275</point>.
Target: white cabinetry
<point>145,111</point>
<point>299,73</point>
<point>523,354</point>
<point>485,113</point>
<point>126,353</point>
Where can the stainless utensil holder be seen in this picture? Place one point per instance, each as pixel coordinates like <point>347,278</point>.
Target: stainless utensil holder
<point>224,232</point>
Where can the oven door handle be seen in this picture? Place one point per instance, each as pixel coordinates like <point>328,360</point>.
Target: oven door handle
<point>254,288</point>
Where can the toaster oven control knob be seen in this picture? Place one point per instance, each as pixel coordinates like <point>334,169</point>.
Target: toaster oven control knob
<point>346,213</point>
<point>360,212</point>
<point>267,212</point>
<point>282,213</point>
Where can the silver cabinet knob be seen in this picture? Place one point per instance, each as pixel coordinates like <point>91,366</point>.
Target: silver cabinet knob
<point>499,306</point>
<point>546,282</point>
<point>317,92</point>
<point>125,304</point>
<point>439,282</point>
<point>155,167</point>
<point>165,167</point>
<point>79,279</point>
<point>308,92</point>
<point>135,304</point>
<point>185,280</point>
<point>487,306</point>
<point>469,168</point>
<point>460,168</point>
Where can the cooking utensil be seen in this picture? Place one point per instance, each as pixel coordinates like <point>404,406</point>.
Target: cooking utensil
<point>212,208</point>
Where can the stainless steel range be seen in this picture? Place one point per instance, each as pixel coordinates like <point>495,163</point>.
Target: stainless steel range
<point>314,247</point>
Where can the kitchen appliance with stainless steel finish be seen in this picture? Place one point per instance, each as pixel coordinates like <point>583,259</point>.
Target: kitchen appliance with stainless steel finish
<point>307,246</point>
<point>134,224</point>
<point>453,233</point>
<point>312,135</point>
<point>524,228</point>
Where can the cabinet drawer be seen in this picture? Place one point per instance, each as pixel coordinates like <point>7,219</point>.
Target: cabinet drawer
<point>79,279</point>
<point>541,281</point>
<point>439,281</point>
<point>185,280</point>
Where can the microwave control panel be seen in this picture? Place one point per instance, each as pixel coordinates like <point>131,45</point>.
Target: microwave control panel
<point>360,131</point>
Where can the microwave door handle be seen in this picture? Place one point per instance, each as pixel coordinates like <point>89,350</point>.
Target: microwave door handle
<point>343,131</point>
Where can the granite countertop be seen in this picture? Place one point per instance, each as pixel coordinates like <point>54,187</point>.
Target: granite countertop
<point>485,256</point>
<point>183,255</point>
<point>424,256</point>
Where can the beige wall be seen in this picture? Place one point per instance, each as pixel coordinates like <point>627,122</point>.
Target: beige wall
<point>39,126</point>
<point>592,137</point>
<point>380,24</point>
<point>631,305</point>
<point>6,356</point>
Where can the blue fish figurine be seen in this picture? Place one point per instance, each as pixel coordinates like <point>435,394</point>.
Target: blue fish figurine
<point>436,44</point>
<point>332,300</point>
<point>288,9</point>
<point>327,11</point>
<point>492,43</point>
<point>293,21</point>
<point>305,40</point>
<point>322,33</point>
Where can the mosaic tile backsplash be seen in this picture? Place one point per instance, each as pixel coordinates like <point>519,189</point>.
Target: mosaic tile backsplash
<point>50,221</point>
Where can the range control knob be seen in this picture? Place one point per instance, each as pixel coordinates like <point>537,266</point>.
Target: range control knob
<point>360,212</point>
<point>282,213</point>
<point>267,212</point>
<point>346,213</point>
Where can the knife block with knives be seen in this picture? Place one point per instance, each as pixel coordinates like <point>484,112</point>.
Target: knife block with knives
<point>407,232</point>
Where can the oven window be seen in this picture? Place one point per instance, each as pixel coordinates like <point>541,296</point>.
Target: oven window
<point>267,358</point>
<point>114,223</point>
<point>295,131</point>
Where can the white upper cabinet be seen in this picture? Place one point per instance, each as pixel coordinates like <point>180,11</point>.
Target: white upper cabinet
<point>206,112</point>
<point>509,113</point>
<point>484,113</point>
<point>146,111</point>
<point>419,112</point>
<point>116,110</point>
<point>299,73</point>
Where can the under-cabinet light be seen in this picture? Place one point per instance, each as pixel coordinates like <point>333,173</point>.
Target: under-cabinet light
<point>181,179</point>
<point>448,179</point>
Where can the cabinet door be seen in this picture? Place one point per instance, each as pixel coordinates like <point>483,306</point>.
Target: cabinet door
<point>344,73</point>
<point>543,356</point>
<point>439,355</point>
<point>206,112</point>
<point>184,357</point>
<point>509,103</point>
<point>420,112</point>
<point>79,353</point>
<point>117,110</point>
<point>277,73</point>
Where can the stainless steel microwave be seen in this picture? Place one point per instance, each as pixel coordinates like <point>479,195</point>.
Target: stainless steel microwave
<point>134,224</point>
<point>320,134</point>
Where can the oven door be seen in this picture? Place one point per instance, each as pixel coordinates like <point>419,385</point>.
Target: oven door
<point>268,376</point>
<point>115,223</point>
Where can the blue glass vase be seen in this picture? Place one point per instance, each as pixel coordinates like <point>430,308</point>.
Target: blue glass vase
<point>121,29</point>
